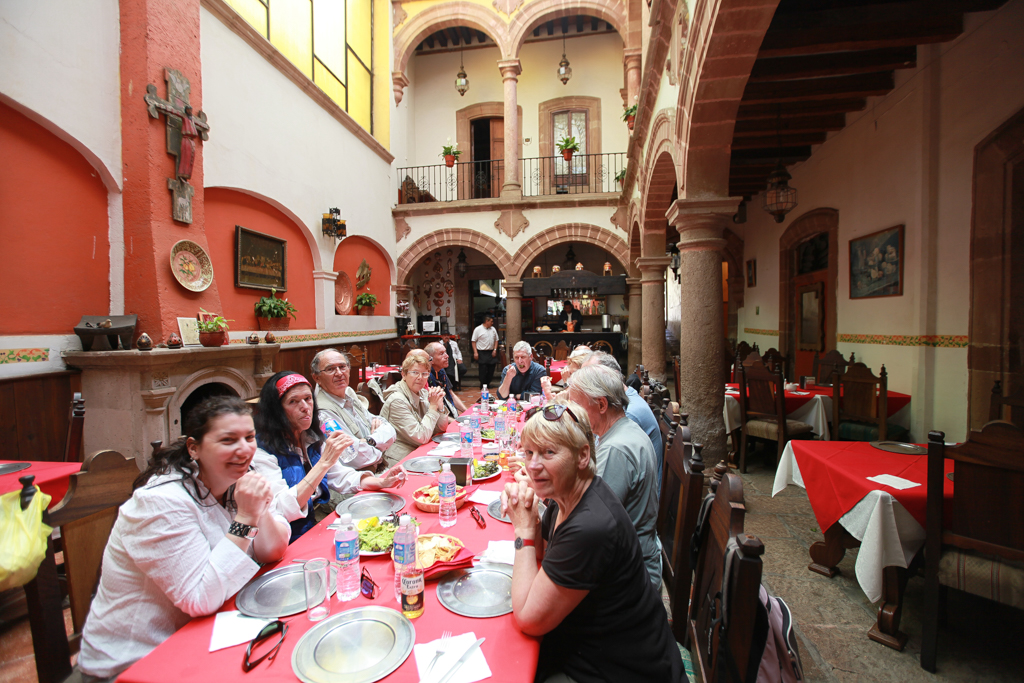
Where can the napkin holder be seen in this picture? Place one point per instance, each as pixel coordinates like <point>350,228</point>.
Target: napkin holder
<point>462,468</point>
<point>806,381</point>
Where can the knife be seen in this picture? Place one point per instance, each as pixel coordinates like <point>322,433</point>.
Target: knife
<point>462,660</point>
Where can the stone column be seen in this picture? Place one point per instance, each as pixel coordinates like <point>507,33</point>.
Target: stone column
<point>513,313</point>
<point>652,283</point>
<point>631,58</point>
<point>323,291</point>
<point>635,328</point>
<point>512,188</point>
<point>701,225</point>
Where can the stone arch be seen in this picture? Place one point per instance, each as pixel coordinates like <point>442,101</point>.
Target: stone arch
<point>635,248</point>
<point>453,237</point>
<point>570,232</point>
<point>448,15</point>
<point>661,184</point>
<point>806,226</point>
<point>241,384</point>
<point>535,13</point>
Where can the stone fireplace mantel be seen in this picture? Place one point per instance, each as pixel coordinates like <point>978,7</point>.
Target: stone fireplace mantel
<point>134,397</point>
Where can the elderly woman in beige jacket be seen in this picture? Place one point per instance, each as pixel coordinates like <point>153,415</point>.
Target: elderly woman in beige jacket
<point>414,410</point>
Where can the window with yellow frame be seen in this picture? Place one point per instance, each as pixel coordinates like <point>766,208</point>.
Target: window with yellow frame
<point>331,41</point>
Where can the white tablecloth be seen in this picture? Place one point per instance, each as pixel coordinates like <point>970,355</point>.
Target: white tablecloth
<point>815,412</point>
<point>889,535</point>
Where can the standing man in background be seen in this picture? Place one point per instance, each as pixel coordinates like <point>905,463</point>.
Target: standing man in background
<point>485,343</point>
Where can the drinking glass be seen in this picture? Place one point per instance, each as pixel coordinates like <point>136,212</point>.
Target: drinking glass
<point>316,579</point>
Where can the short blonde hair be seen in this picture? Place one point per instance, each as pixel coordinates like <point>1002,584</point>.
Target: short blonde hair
<point>572,434</point>
<point>415,357</point>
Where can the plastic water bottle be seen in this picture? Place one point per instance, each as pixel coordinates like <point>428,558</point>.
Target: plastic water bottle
<point>485,396</point>
<point>466,440</point>
<point>446,491</point>
<point>478,443</point>
<point>511,404</point>
<point>499,426</point>
<point>346,550</point>
<point>404,551</point>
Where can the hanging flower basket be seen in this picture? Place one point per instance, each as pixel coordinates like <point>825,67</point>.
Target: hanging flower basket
<point>449,160</point>
<point>630,120</point>
<point>567,154</point>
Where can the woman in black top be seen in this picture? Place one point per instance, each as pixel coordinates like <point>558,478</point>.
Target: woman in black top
<point>591,599</point>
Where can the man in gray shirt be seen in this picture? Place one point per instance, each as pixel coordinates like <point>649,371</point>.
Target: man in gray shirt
<point>625,456</point>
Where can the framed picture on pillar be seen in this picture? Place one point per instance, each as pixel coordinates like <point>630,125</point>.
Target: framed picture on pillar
<point>261,261</point>
<point>752,272</point>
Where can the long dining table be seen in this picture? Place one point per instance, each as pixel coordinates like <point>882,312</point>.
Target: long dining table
<point>51,478</point>
<point>511,654</point>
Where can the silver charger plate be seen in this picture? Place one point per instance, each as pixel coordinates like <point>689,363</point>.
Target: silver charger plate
<point>424,464</point>
<point>898,447</point>
<point>446,437</point>
<point>494,510</point>
<point>377,504</point>
<point>12,467</point>
<point>278,593</point>
<point>482,591</point>
<point>356,646</point>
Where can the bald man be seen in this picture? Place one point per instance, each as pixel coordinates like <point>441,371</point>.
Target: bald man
<point>439,378</point>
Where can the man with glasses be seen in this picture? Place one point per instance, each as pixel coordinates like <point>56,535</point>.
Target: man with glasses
<point>340,409</point>
<point>439,378</point>
<point>522,376</point>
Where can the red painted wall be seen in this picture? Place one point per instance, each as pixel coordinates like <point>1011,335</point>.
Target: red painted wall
<point>224,210</point>
<point>54,227</point>
<point>347,258</point>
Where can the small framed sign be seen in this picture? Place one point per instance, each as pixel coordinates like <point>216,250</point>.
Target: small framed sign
<point>188,328</point>
<point>261,261</point>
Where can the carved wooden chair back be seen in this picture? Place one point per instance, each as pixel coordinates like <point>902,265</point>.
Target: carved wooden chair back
<point>373,402</point>
<point>743,349</point>
<point>358,364</point>
<point>407,347</point>
<point>85,516</point>
<point>744,582</point>
<point>76,428</point>
<point>393,352</point>
<point>502,355</point>
<point>602,345</point>
<point>675,376</point>
<point>859,396</point>
<point>1009,407</point>
<point>547,367</point>
<point>762,399</point>
<point>392,377</point>
<point>545,349</point>
<point>772,358</point>
<point>827,365</point>
<point>561,350</point>
<point>982,547</point>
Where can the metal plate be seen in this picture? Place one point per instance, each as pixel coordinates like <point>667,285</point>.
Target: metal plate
<point>357,646</point>
<point>482,591</point>
<point>376,504</point>
<point>278,593</point>
<point>447,437</point>
<point>898,447</point>
<point>12,467</point>
<point>949,475</point>
<point>494,510</point>
<point>424,464</point>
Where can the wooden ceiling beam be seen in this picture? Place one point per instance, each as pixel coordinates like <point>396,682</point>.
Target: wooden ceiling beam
<point>771,141</point>
<point>565,25</point>
<point>741,174</point>
<point>748,112</point>
<point>551,28</point>
<point>430,41</point>
<point>442,38</point>
<point>594,23</point>
<point>790,124</point>
<point>833,64</point>
<point>467,35</point>
<point>454,35</point>
<point>835,87</point>
<point>766,157</point>
<point>482,37</point>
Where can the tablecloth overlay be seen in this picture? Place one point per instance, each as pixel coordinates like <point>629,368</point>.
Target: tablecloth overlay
<point>50,477</point>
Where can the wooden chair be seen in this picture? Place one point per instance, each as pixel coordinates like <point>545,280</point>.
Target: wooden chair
<point>676,377</point>
<point>357,369</point>
<point>763,409</point>
<point>405,349</point>
<point>76,427</point>
<point>561,350</point>
<point>1013,405</point>
<point>744,583</point>
<point>743,352</point>
<point>392,377</point>
<point>373,402</point>
<point>544,349</point>
<point>827,365</point>
<point>772,358</point>
<point>860,406</point>
<point>547,367</point>
<point>85,516</point>
<point>602,345</point>
<point>393,352</point>
<point>981,551</point>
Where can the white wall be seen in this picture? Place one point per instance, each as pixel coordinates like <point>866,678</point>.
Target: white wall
<point>907,159</point>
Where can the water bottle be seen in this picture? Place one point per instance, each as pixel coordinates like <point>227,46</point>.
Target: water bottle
<point>511,404</point>
<point>478,443</point>
<point>485,397</point>
<point>466,440</point>
<point>328,424</point>
<point>499,426</point>
<point>346,550</point>
<point>404,551</point>
<point>446,491</point>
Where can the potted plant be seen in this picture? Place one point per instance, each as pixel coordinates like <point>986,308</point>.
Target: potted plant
<point>620,176</point>
<point>213,329</point>
<point>450,153</point>
<point>365,303</point>
<point>272,313</point>
<point>568,145</point>
<point>629,115</point>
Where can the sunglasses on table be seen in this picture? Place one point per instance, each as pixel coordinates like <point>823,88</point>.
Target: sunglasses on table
<point>266,634</point>
<point>552,412</point>
<point>367,587</point>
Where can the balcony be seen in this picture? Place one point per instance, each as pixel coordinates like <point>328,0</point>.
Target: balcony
<point>541,176</point>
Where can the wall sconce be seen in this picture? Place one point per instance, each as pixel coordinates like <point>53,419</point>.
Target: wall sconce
<point>673,251</point>
<point>333,226</point>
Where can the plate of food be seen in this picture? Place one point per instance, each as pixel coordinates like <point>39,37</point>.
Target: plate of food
<point>377,535</point>
<point>487,434</point>
<point>427,499</point>
<point>485,469</point>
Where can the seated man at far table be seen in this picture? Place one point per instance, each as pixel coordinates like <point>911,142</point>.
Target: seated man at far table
<point>522,376</point>
<point>439,378</point>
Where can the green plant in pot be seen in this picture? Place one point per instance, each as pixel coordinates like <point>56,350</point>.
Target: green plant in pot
<point>567,146</point>
<point>629,115</point>
<point>365,303</point>
<point>272,313</point>
<point>620,176</point>
<point>214,330</point>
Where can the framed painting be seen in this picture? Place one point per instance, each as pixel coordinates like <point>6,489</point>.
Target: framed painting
<point>810,330</point>
<point>876,264</point>
<point>752,273</point>
<point>261,261</point>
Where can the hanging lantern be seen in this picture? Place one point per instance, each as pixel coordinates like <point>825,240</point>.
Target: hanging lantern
<point>564,70</point>
<point>779,199</point>
<point>461,266</point>
<point>461,79</point>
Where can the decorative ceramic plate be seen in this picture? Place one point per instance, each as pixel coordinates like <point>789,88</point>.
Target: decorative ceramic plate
<point>482,591</point>
<point>343,294</point>
<point>191,266</point>
<point>356,646</point>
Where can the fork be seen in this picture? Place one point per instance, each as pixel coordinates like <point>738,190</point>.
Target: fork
<point>445,637</point>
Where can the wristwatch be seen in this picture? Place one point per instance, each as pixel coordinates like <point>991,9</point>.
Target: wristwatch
<point>243,530</point>
<point>520,542</point>
<point>371,442</point>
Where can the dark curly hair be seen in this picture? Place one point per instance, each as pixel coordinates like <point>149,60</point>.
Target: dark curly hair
<point>272,426</point>
<point>176,458</point>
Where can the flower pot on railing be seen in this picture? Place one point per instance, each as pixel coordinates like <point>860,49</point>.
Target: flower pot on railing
<point>567,154</point>
<point>365,310</point>
<point>449,160</point>
<point>630,120</point>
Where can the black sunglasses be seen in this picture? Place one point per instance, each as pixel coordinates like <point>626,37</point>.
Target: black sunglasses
<point>267,632</point>
<point>367,587</point>
<point>552,412</point>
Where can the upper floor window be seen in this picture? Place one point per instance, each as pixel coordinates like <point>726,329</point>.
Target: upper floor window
<point>571,123</point>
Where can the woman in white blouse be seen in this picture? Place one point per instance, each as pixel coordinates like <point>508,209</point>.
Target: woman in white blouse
<point>190,537</point>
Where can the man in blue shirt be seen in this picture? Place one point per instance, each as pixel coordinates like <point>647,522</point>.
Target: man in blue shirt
<point>439,378</point>
<point>522,376</point>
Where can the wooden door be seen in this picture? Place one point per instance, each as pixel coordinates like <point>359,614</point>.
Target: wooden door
<point>817,284</point>
<point>496,170</point>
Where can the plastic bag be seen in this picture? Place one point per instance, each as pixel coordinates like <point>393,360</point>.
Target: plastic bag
<point>23,538</point>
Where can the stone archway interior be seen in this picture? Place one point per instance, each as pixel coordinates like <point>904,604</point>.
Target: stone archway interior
<point>200,394</point>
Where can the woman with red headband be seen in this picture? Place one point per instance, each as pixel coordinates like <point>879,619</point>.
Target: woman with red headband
<point>293,455</point>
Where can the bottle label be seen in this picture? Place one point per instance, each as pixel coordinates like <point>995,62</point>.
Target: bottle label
<point>446,489</point>
<point>346,550</point>
<point>467,436</point>
<point>474,422</point>
<point>401,553</point>
<point>499,424</point>
<point>412,584</point>
<point>329,424</point>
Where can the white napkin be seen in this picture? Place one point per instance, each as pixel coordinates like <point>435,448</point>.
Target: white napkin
<point>500,552</point>
<point>895,482</point>
<point>446,449</point>
<point>234,628</point>
<point>484,497</point>
<point>473,669</point>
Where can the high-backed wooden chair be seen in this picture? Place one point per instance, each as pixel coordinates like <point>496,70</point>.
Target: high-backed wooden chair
<point>408,346</point>
<point>676,376</point>
<point>547,367</point>
<point>76,427</point>
<point>561,350</point>
<point>357,369</point>
<point>392,377</point>
<point>502,355</point>
<point>393,352</point>
<point>860,406</point>
<point>827,365</point>
<point>543,349</point>
<point>981,551</point>
<point>602,345</point>
<point>772,358</point>
<point>710,581</point>
<point>1010,407</point>
<point>85,517</point>
<point>373,401</point>
<point>763,409</point>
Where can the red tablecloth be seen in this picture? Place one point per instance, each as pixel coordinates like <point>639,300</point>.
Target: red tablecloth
<point>556,369</point>
<point>381,371</point>
<point>793,401</point>
<point>895,401</point>
<point>511,655</point>
<point>50,477</point>
<point>835,476</point>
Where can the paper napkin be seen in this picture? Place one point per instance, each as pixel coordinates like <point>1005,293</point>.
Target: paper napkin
<point>895,482</point>
<point>484,497</point>
<point>473,669</point>
<point>234,628</point>
<point>500,552</point>
<point>445,449</point>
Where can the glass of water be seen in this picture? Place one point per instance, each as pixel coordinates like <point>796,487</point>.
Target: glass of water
<point>316,574</point>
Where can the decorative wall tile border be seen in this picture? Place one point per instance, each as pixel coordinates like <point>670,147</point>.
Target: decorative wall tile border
<point>24,356</point>
<point>941,341</point>
<point>320,336</point>
<point>766,333</point>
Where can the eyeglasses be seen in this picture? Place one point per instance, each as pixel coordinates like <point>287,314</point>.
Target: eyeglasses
<point>331,369</point>
<point>552,413</point>
<point>367,587</point>
<point>268,631</point>
<point>416,374</point>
